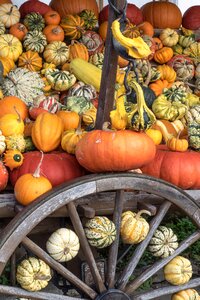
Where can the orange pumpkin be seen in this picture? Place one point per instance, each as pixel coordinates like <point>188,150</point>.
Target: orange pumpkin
<point>162,14</point>
<point>8,64</point>
<point>146,28</point>
<point>78,50</point>
<point>30,186</point>
<point>19,30</point>
<point>9,105</point>
<point>163,55</point>
<point>122,62</point>
<point>73,26</point>
<point>13,159</point>
<point>103,27</point>
<point>70,119</point>
<point>52,17</point>
<point>106,150</point>
<point>11,124</point>
<point>159,85</point>
<point>47,131</point>
<point>158,43</point>
<point>177,144</point>
<point>54,33</point>
<point>65,7</point>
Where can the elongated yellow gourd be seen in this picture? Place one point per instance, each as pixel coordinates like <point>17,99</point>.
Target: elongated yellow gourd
<point>86,72</point>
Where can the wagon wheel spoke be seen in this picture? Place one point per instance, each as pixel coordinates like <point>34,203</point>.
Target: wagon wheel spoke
<point>113,251</point>
<point>167,290</point>
<point>78,227</point>
<point>134,284</point>
<point>14,291</point>
<point>35,249</point>
<point>155,222</point>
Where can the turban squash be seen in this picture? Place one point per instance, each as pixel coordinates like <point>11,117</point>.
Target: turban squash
<point>179,168</point>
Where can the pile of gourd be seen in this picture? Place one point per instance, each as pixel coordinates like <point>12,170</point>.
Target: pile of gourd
<point>51,69</point>
<point>63,245</point>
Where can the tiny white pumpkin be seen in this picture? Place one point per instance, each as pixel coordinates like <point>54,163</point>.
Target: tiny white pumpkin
<point>163,243</point>
<point>63,244</point>
<point>9,14</point>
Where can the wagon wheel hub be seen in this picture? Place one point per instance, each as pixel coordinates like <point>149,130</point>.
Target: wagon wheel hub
<point>113,294</point>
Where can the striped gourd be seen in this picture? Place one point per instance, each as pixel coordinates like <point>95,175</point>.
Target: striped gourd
<point>100,232</point>
<point>193,120</point>
<point>80,89</point>
<point>73,26</point>
<point>24,84</point>
<point>97,59</point>
<point>34,21</point>
<point>56,52</point>
<point>175,93</point>
<point>35,41</point>
<point>2,28</point>
<point>163,243</point>
<point>30,60</point>
<point>60,80</point>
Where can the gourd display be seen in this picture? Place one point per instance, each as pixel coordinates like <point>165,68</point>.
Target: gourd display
<point>54,33</point>
<point>33,274</point>
<point>93,41</point>
<point>52,17</point>
<point>33,6</point>
<point>100,232</point>
<point>46,132</point>
<point>15,141</point>
<point>2,28</point>
<point>78,104</point>
<point>30,186</point>
<point>9,14</point>
<point>70,119</point>
<point>163,243</point>
<point>183,66</point>
<point>155,135</point>
<point>191,17</point>
<point>63,244</point>
<point>2,143</point>
<point>89,18</point>
<point>189,294</point>
<point>134,228</point>
<point>163,55</point>
<point>178,271</point>
<point>8,64</point>
<point>56,52</point>
<point>179,168</point>
<point>70,139</point>
<point>177,144</point>
<point>58,167</point>
<point>11,124</point>
<point>169,37</point>
<point>60,80</point>
<point>193,119</point>
<point>18,30</point>
<point>104,142</point>
<point>78,50</point>
<point>11,104</point>
<point>10,46</point>
<point>13,159</point>
<point>23,84</point>
<point>73,26</point>
<point>80,89</point>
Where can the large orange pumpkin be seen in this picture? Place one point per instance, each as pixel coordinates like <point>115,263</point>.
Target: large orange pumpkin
<point>162,14</point>
<point>46,132</point>
<point>9,105</point>
<point>73,7</point>
<point>179,168</point>
<point>122,150</point>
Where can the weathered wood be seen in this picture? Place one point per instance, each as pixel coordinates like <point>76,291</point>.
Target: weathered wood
<point>13,269</point>
<point>167,290</point>
<point>35,249</point>
<point>134,284</point>
<point>113,251</point>
<point>14,291</point>
<point>109,71</point>
<point>86,211</point>
<point>129,269</point>
<point>45,205</point>
<point>147,206</point>
<point>78,227</point>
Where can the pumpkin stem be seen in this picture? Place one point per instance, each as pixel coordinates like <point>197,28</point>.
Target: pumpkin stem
<point>105,126</point>
<point>18,114</point>
<point>143,211</point>
<point>38,170</point>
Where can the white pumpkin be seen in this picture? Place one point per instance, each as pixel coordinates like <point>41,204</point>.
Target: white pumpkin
<point>63,244</point>
<point>9,14</point>
<point>2,142</point>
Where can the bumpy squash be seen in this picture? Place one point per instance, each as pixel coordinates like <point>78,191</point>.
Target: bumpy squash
<point>70,138</point>
<point>35,41</point>
<point>100,232</point>
<point>46,132</point>
<point>63,244</point>
<point>163,243</point>
<point>178,271</point>
<point>56,52</point>
<point>60,80</point>
<point>134,228</point>
<point>33,274</point>
<point>189,294</point>
<point>13,159</point>
<point>34,21</point>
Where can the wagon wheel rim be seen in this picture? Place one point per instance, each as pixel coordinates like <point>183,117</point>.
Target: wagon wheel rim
<point>65,194</point>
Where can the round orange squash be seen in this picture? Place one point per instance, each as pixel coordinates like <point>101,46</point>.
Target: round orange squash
<point>8,105</point>
<point>70,119</point>
<point>47,131</point>
<point>107,150</point>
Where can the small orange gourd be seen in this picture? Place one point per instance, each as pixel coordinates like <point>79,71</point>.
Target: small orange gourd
<point>177,144</point>
<point>47,131</point>
<point>52,17</point>
<point>70,119</point>
<point>78,50</point>
<point>54,33</point>
<point>163,55</point>
<point>30,186</point>
<point>18,30</point>
<point>159,85</point>
<point>13,159</point>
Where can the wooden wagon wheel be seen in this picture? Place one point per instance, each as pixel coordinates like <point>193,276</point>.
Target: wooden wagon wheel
<point>17,230</point>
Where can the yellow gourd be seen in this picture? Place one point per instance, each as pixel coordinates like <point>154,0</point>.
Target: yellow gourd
<point>119,117</point>
<point>178,271</point>
<point>189,294</point>
<point>134,228</point>
<point>11,124</point>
